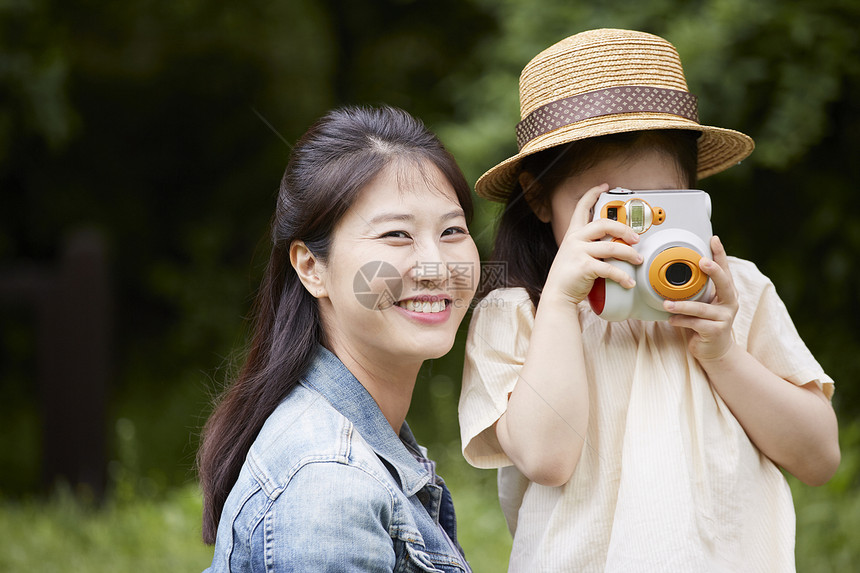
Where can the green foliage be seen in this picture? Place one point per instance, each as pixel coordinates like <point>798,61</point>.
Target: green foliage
<point>66,534</point>
<point>34,71</point>
<point>167,126</point>
<point>141,526</point>
<point>481,528</point>
<point>828,517</point>
<point>143,529</point>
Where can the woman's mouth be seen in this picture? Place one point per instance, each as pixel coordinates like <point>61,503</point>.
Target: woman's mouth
<point>424,306</point>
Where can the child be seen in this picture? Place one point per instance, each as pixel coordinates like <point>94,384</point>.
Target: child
<point>632,446</point>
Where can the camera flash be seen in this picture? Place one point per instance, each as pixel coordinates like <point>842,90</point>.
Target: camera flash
<point>637,218</point>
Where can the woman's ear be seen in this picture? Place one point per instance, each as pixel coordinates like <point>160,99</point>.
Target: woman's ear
<point>311,271</point>
<point>532,192</point>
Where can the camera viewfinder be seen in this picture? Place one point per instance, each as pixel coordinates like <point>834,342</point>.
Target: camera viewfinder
<point>612,213</point>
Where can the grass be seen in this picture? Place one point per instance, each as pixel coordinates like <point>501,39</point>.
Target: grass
<point>141,530</point>
<point>158,535</point>
<point>828,517</point>
<point>66,534</point>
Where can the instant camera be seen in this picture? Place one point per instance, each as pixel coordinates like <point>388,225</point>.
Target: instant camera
<point>674,228</point>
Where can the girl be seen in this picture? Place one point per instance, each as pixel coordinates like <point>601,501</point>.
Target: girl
<point>632,446</point>
<point>307,463</point>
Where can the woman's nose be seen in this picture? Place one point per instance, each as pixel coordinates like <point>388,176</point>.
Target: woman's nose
<point>429,266</point>
<point>429,271</point>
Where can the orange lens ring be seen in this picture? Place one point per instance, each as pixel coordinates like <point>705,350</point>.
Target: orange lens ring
<point>657,273</point>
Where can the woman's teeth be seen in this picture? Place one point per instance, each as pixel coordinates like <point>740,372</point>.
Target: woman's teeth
<point>423,306</point>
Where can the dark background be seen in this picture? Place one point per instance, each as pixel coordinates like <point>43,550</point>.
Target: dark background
<point>164,127</point>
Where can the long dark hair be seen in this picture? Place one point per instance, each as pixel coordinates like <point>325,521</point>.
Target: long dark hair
<point>329,166</point>
<point>525,243</point>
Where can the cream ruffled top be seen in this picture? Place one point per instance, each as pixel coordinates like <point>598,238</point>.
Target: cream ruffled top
<point>668,480</point>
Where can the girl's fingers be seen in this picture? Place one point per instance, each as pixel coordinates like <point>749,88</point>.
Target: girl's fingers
<point>601,228</point>
<point>596,229</point>
<point>595,268</point>
<point>582,213</point>
<point>614,250</point>
<point>720,257</point>
<point>698,310</point>
<point>719,252</point>
<point>613,273</point>
<point>705,329</point>
<point>719,271</point>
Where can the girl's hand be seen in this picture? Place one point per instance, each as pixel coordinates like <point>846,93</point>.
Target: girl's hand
<point>710,323</point>
<point>579,259</point>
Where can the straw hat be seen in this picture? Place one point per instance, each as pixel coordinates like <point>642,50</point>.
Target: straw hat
<point>608,81</point>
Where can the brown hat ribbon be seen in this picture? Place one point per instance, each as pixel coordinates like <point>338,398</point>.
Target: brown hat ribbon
<point>609,101</point>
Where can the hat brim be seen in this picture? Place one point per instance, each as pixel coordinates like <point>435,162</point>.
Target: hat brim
<point>719,148</point>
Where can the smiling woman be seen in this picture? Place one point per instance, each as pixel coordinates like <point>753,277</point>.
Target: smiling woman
<point>307,463</point>
<point>410,218</point>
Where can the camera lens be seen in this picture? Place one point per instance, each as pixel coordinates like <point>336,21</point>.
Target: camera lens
<point>674,273</point>
<point>679,274</point>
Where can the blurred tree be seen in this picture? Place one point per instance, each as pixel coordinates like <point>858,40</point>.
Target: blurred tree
<point>167,158</point>
<point>167,126</point>
<point>33,72</point>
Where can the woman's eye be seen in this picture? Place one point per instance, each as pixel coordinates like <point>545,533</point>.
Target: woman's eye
<point>396,235</point>
<point>455,231</point>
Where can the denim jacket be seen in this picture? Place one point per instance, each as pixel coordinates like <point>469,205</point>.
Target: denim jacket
<point>328,486</point>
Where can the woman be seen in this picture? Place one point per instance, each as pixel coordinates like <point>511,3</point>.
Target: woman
<point>307,463</point>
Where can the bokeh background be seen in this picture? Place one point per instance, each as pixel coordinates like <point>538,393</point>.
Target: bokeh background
<point>150,137</point>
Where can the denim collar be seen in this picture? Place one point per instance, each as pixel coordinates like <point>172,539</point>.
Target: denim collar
<point>328,376</point>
